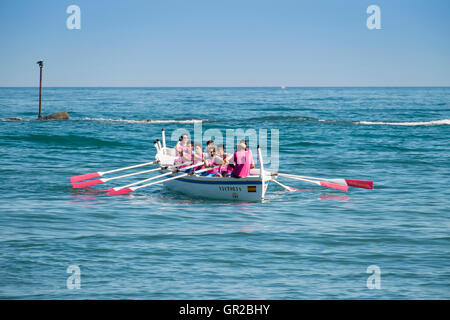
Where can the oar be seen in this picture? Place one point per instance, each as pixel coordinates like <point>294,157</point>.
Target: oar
<point>335,181</point>
<point>366,184</point>
<point>100,173</point>
<point>289,188</point>
<point>319,183</point>
<point>131,189</point>
<point>148,179</point>
<point>90,183</point>
<point>284,186</point>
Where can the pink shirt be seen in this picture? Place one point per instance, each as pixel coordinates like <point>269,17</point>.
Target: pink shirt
<point>185,158</point>
<point>214,162</point>
<point>198,161</point>
<point>181,148</point>
<point>243,159</point>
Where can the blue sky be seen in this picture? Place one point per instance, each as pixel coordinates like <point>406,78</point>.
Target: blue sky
<point>226,43</point>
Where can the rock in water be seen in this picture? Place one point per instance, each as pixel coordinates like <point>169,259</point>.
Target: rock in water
<point>14,119</point>
<point>57,116</point>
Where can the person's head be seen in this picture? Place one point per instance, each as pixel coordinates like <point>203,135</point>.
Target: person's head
<point>198,148</point>
<point>212,152</point>
<point>184,138</point>
<point>209,144</point>
<point>242,145</point>
<point>190,146</point>
<point>220,149</point>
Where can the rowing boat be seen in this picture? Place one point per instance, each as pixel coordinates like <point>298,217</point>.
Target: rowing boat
<point>251,188</point>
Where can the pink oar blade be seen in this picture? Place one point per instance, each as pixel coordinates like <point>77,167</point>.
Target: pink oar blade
<point>333,186</point>
<point>85,184</point>
<point>84,177</point>
<point>121,191</point>
<point>360,183</point>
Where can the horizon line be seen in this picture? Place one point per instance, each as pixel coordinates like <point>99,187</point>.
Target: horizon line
<point>281,87</point>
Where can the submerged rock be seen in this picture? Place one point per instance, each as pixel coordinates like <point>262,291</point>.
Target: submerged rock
<point>63,115</point>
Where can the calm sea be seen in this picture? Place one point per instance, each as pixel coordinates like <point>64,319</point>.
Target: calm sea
<point>156,244</point>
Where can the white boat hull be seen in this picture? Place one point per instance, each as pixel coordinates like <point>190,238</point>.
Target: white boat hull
<point>251,188</point>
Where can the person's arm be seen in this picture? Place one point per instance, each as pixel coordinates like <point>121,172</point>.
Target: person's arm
<point>197,157</point>
<point>252,163</point>
<point>229,157</point>
<point>218,160</point>
<point>187,157</point>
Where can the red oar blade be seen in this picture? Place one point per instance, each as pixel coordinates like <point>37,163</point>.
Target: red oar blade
<point>333,186</point>
<point>121,191</point>
<point>87,183</point>
<point>84,177</point>
<point>360,183</point>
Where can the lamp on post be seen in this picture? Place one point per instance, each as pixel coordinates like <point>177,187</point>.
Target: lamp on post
<point>41,65</point>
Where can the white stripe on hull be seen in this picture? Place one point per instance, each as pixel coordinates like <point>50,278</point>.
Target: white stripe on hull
<point>243,189</point>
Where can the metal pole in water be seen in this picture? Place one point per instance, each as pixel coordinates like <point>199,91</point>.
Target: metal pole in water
<point>41,65</point>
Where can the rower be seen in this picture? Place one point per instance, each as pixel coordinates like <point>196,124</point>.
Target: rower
<point>198,157</point>
<point>212,161</point>
<point>187,155</point>
<point>209,145</point>
<point>243,161</point>
<point>227,161</point>
<point>182,144</point>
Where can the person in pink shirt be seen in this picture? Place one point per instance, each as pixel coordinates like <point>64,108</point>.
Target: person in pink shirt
<point>212,161</point>
<point>243,161</point>
<point>198,157</point>
<point>227,161</point>
<point>186,155</point>
<point>182,144</point>
<point>209,146</point>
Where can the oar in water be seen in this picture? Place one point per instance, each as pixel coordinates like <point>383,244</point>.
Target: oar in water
<point>131,189</point>
<point>366,184</point>
<point>145,180</point>
<point>90,183</point>
<point>284,186</point>
<point>151,178</point>
<point>100,173</point>
<point>318,182</point>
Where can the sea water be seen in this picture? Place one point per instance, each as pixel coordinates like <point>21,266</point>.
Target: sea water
<point>391,242</point>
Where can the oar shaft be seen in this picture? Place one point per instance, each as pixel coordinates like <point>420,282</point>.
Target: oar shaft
<point>298,178</point>
<point>338,181</point>
<point>151,178</point>
<point>130,174</point>
<point>142,181</point>
<point>282,185</point>
<point>140,172</point>
<point>156,182</point>
<point>130,167</point>
<point>172,178</point>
